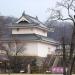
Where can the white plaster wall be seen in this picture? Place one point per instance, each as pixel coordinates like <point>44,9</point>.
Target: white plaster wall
<point>38,49</point>
<point>42,49</point>
<point>29,31</point>
<point>22,31</point>
<point>30,49</point>
<point>45,49</point>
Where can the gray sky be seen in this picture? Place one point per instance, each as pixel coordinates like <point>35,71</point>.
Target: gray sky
<point>32,7</point>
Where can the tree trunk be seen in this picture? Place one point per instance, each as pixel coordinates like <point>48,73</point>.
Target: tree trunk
<point>64,57</point>
<point>71,57</point>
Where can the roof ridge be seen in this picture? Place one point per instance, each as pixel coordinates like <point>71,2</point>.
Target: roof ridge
<point>31,16</point>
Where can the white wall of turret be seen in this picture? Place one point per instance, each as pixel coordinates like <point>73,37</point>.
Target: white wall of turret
<point>29,31</point>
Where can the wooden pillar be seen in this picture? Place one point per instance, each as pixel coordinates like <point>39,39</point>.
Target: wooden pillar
<point>28,69</point>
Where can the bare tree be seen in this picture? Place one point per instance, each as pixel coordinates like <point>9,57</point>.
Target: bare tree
<point>17,52</point>
<point>4,32</point>
<point>14,49</point>
<point>57,14</point>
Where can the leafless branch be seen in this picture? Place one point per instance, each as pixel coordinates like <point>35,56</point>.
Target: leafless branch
<point>69,13</point>
<point>19,50</point>
<point>71,3</point>
<point>62,5</point>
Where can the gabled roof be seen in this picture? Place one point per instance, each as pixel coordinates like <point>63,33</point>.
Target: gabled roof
<point>29,22</point>
<point>23,18</point>
<point>28,18</point>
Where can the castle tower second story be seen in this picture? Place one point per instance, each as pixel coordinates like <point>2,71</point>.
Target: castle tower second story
<point>29,25</point>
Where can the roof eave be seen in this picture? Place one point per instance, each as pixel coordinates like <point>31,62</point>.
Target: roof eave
<point>39,40</point>
<point>12,27</point>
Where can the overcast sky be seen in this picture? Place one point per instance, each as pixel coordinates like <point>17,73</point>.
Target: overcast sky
<point>31,7</point>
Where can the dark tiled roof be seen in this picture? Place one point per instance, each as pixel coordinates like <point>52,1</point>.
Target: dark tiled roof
<point>30,37</point>
<point>34,37</point>
<point>32,21</point>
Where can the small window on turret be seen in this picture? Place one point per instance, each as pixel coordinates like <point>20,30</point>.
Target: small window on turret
<point>17,29</point>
